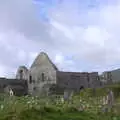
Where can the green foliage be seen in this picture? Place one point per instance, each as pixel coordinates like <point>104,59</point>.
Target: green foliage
<point>51,108</point>
<point>101,91</point>
<point>116,89</point>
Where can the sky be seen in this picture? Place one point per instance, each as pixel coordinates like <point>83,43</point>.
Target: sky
<point>77,35</point>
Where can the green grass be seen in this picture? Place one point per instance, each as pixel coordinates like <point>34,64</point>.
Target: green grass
<point>34,108</point>
<point>34,114</point>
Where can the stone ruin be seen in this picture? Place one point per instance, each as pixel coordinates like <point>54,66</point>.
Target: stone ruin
<point>43,75</point>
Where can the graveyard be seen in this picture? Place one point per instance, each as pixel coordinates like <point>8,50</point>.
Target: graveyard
<point>86,105</point>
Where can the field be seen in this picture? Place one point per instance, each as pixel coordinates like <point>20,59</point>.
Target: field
<point>83,106</point>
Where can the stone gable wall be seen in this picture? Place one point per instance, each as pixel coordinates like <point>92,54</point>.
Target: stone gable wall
<point>42,72</point>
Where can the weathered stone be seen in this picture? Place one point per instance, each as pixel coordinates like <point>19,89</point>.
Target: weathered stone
<point>68,94</point>
<point>104,109</point>
<point>11,92</point>
<point>110,99</point>
<point>106,77</point>
<point>43,72</point>
<point>22,73</point>
<point>19,87</point>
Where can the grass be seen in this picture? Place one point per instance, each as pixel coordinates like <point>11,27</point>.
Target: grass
<point>35,108</point>
<point>35,114</point>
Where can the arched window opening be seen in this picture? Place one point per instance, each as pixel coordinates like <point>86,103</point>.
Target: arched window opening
<point>43,77</point>
<point>21,74</point>
<point>81,87</point>
<point>30,79</point>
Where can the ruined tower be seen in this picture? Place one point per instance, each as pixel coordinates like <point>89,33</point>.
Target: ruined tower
<point>42,72</point>
<point>107,76</point>
<point>22,73</point>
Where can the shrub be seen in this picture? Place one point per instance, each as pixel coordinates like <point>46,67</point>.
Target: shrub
<point>50,109</point>
<point>115,89</point>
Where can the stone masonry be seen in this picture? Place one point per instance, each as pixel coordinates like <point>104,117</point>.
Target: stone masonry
<point>43,74</point>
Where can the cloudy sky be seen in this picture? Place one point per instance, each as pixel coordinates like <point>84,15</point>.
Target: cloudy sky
<point>78,35</point>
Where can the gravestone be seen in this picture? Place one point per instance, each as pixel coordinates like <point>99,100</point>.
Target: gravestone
<point>110,99</point>
<point>104,109</point>
<point>68,95</point>
<point>11,92</point>
<point>62,100</point>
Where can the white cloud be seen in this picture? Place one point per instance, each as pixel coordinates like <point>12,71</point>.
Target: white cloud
<point>59,59</point>
<point>90,35</point>
<point>22,55</point>
<point>21,32</point>
<point>96,41</point>
<point>63,63</point>
<point>2,70</point>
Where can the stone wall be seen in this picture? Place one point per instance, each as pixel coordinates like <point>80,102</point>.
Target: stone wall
<point>74,80</point>
<point>94,80</point>
<point>19,86</point>
<point>43,73</point>
<point>107,77</point>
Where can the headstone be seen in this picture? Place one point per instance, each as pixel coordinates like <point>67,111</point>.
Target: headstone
<point>62,100</point>
<point>104,109</point>
<point>11,92</point>
<point>104,100</point>
<point>81,108</point>
<point>68,94</point>
<point>110,98</point>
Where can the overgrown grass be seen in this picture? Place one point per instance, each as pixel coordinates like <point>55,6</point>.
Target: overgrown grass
<point>50,108</point>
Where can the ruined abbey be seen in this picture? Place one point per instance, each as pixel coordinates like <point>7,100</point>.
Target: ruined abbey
<point>44,76</point>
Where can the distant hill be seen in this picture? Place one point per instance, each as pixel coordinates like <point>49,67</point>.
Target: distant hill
<point>116,75</point>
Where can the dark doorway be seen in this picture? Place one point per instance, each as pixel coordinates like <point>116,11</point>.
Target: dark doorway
<point>43,77</point>
<point>30,79</point>
<point>81,88</point>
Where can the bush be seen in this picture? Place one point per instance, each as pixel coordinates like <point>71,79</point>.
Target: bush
<point>50,109</point>
<point>34,108</point>
<point>89,92</point>
<point>115,89</point>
